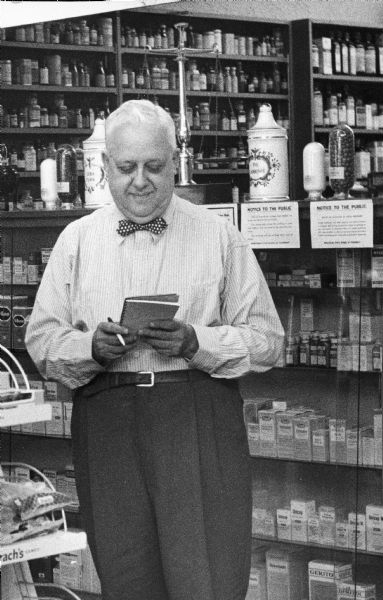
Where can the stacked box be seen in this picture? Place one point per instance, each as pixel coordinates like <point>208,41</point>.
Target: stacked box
<point>303,426</point>
<point>320,445</point>
<point>374,528</point>
<point>352,440</point>
<point>313,528</point>
<point>324,576</point>
<point>253,438</point>
<point>378,437</point>
<point>270,525</point>
<point>71,489</point>
<point>285,433</point>
<point>267,432</point>
<point>356,591</point>
<point>69,571</point>
<point>251,407</point>
<point>324,49</point>
<point>357,530</point>
<point>341,534</point>
<point>300,511</point>
<point>284,523</point>
<point>257,589</point>
<point>327,525</point>
<point>67,416</point>
<point>258,521</point>
<point>338,450</point>
<point>285,572</point>
<point>368,446</point>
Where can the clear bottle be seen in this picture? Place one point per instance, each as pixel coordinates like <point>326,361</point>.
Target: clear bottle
<point>360,55</point>
<point>344,50</point>
<point>194,78</point>
<point>336,55</point>
<point>250,118</point>
<point>342,160</point>
<point>196,118</point>
<point>350,109</point>
<point>370,56</point>
<point>100,78</point>
<point>67,178</point>
<point>318,107</point>
<point>34,111</point>
<point>227,81</point>
<point>263,84</point>
<point>315,57</point>
<point>225,121</point>
<point>351,54</point>
<point>75,74</point>
<point>241,117</point>
<point>233,121</point>
<point>276,79</point>
<point>304,350</point>
<point>220,80</point>
<point>203,80</point>
<point>291,352</point>
<point>234,80</point>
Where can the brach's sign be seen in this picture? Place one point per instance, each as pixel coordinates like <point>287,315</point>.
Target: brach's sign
<point>268,162</point>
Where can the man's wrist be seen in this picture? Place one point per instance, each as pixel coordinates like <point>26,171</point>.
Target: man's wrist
<point>192,345</point>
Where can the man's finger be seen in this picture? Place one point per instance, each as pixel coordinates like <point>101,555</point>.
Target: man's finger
<point>165,324</point>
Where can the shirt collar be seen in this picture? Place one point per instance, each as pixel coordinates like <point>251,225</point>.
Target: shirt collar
<point>168,215</point>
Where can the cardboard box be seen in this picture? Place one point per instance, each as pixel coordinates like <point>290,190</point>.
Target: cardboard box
<point>338,450</point>
<point>327,525</point>
<point>257,589</point>
<point>284,523</point>
<point>268,432</point>
<point>285,572</point>
<point>20,318</point>
<point>6,303</point>
<point>320,445</point>
<point>341,534</point>
<point>356,591</point>
<point>300,511</point>
<point>374,528</point>
<point>357,530</point>
<point>253,438</point>
<point>313,531</point>
<point>285,433</point>
<point>323,578</point>
<point>304,425</point>
<point>378,437</point>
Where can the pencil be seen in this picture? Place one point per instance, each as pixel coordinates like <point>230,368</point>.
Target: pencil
<point>118,335</point>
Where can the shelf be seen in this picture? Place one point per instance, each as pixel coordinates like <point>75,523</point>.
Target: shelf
<point>36,174</point>
<point>43,131</point>
<point>318,462</point>
<point>43,545</point>
<point>356,130</point>
<point>204,94</point>
<point>201,133</point>
<point>17,219</point>
<point>314,545</point>
<point>350,78</point>
<point>221,171</point>
<point>61,47</point>
<point>58,88</point>
<point>26,413</point>
<point>207,54</point>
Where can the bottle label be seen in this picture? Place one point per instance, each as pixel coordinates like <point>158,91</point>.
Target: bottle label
<point>63,187</point>
<point>336,172</point>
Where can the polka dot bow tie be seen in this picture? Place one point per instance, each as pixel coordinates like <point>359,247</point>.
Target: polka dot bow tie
<point>126,227</point>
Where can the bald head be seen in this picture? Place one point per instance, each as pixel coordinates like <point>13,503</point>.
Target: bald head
<point>136,114</point>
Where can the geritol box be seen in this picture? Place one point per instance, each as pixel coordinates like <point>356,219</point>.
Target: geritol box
<point>285,574</point>
<point>356,591</point>
<point>323,578</point>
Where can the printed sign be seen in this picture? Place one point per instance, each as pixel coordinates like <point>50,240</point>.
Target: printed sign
<point>341,223</point>
<point>226,211</point>
<point>271,224</point>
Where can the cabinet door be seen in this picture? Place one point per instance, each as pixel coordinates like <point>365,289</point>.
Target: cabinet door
<point>315,428</point>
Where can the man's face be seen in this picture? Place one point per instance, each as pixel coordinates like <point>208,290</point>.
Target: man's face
<point>141,169</point>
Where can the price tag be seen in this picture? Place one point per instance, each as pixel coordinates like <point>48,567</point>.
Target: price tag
<point>63,187</point>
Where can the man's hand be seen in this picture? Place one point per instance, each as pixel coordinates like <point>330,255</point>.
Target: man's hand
<point>171,338</point>
<point>105,345</point>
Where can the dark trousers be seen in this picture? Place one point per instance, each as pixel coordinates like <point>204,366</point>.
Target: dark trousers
<point>164,483</point>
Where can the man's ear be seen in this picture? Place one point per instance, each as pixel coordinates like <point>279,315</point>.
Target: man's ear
<point>176,154</point>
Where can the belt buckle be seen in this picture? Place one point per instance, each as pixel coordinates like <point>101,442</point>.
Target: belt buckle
<point>151,383</point>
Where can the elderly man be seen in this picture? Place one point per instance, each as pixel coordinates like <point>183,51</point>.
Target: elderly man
<point>162,470</point>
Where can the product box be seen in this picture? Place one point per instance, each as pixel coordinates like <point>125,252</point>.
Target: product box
<point>327,525</point>
<point>51,474</point>
<point>303,426</point>
<point>258,521</point>
<point>6,303</point>
<point>285,432</point>
<point>357,530</point>
<point>70,570</point>
<point>20,267</point>
<point>374,528</point>
<point>71,486</point>
<point>352,440</point>
<point>362,327</point>
<point>325,61</point>
<point>55,427</point>
<point>7,269</point>
<point>252,405</point>
<point>285,571</point>
<point>67,416</point>
<point>268,432</point>
<point>300,511</point>
<point>377,267</point>
<point>320,445</point>
<point>356,591</point>
<point>270,524</point>
<point>348,267</point>
<point>378,437</point>
<point>341,534</point>
<point>253,438</point>
<point>257,589</point>
<point>313,532</point>
<point>338,450</point>
<point>368,446</point>
<point>323,578</point>
<point>20,318</point>
<point>284,523</point>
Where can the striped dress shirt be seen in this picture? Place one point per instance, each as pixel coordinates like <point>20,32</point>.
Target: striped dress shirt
<point>201,257</point>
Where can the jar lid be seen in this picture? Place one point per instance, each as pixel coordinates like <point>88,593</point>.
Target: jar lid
<point>266,123</point>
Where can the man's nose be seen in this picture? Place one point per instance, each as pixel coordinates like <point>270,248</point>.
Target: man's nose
<point>140,178</point>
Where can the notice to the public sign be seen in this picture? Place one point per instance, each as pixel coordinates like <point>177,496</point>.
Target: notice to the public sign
<point>341,223</point>
<point>271,224</point>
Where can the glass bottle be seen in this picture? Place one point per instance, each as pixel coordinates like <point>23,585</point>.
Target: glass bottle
<point>350,109</point>
<point>370,56</point>
<point>233,121</point>
<point>342,160</point>
<point>315,57</point>
<point>164,38</point>
<point>318,107</point>
<point>81,75</point>
<point>165,75</point>
<point>203,80</point>
<point>379,53</point>
<point>225,121</point>
<point>100,79</point>
<point>75,74</point>
<point>360,55</point>
<point>250,118</point>
<point>194,78</point>
<point>344,51</point>
<point>242,79</point>
<point>67,178</point>
<point>220,80</point>
<point>140,79</point>
<point>234,80</point>
<point>227,81</point>
<point>351,54</point>
<point>336,55</point>
<point>156,76</point>
<point>263,84</point>
<point>196,118</point>
<point>44,74</point>
<point>276,79</point>
<point>241,117</point>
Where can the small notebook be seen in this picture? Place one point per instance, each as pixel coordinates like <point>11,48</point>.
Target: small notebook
<point>139,311</point>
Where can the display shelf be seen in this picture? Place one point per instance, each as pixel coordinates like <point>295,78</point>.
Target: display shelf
<point>43,545</point>
<point>356,130</point>
<point>36,174</point>
<point>314,545</point>
<point>61,47</point>
<point>349,78</point>
<point>204,94</point>
<point>206,54</point>
<point>41,218</point>
<point>43,131</point>
<point>221,171</point>
<point>58,88</point>
<point>26,413</point>
<point>317,462</point>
